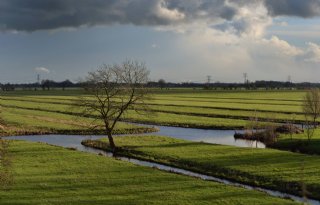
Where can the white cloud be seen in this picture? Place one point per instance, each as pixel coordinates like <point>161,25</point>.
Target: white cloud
<point>163,12</point>
<point>279,47</point>
<point>312,53</point>
<point>226,55</point>
<point>252,20</point>
<point>42,70</point>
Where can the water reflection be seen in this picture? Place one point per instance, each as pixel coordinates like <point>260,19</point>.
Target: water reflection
<point>224,137</point>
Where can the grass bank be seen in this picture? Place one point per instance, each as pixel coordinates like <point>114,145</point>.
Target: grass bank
<point>274,169</point>
<point>32,122</point>
<point>45,174</point>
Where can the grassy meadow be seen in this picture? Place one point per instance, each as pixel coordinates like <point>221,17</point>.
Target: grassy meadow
<point>181,107</point>
<point>88,178</point>
<point>54,112</point>
<point>278,170</point>
<point>45,174</point>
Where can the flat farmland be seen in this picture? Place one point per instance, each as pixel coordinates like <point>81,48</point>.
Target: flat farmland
<point>57,112</point>
<point>179,107</point>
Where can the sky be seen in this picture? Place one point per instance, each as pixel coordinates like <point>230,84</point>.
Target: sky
<point>179,40</point>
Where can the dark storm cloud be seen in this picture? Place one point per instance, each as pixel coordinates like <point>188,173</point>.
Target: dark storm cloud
<point>31,15</point>
<point>209,9</point>
<point>301,8</point>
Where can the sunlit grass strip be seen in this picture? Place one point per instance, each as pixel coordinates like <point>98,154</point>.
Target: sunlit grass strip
<point>274,169</point>
<point>52,175</point>
<point>26,122</point>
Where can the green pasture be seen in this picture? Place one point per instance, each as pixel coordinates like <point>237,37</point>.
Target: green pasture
<point>279,170</point>
<point>45,174</point>
<point>177,107</point>
<point>23,121</point>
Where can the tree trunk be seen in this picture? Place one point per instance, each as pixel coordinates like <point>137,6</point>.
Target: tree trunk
<point>111,142</point>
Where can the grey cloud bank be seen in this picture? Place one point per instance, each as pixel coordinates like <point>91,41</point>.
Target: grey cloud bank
<point>304,8</point>
<point>32,15</point>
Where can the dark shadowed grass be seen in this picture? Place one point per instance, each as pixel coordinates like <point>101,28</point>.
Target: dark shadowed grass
<point>299,143</point>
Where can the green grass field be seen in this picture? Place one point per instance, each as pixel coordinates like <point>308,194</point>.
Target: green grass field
<point>279,170</point>
<point>38,166</point>
<point>181,107</point>
<point>52,111</point>
<point>46,174</point>
<point>33,121</point>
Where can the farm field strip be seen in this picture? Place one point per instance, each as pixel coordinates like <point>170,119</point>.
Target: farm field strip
<point>176,98</point>
<point>285,101</point>
<point>163,119</point>
<point>234,114</point>
<point>262,95</point>
<point>197,105</point>
<point>192,113</point>
<point>231,105</point>
<point>281,108</point>
<point>229,100</point>
<point>42,181</point>
<point>279,170</point>
<point>199,111</point>
<point>51,122</point>
<point>222,100</point>
<point>168,110</point>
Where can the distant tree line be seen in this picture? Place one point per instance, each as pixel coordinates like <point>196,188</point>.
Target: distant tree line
<point>162,84</point>
<point>266,85</point>
<point>43,85</point>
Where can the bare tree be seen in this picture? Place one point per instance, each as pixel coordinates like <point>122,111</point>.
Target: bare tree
<point>311,105</point>
<point>291,126</point>
<point>253,123</point>
<point>309,127</point>
<point>270,133</point>
<point>115,89</point>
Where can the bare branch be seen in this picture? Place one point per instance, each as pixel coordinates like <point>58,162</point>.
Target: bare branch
<point>113,90</point>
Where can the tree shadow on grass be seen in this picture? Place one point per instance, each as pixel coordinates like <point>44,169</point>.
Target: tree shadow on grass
<point>300,146</point>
